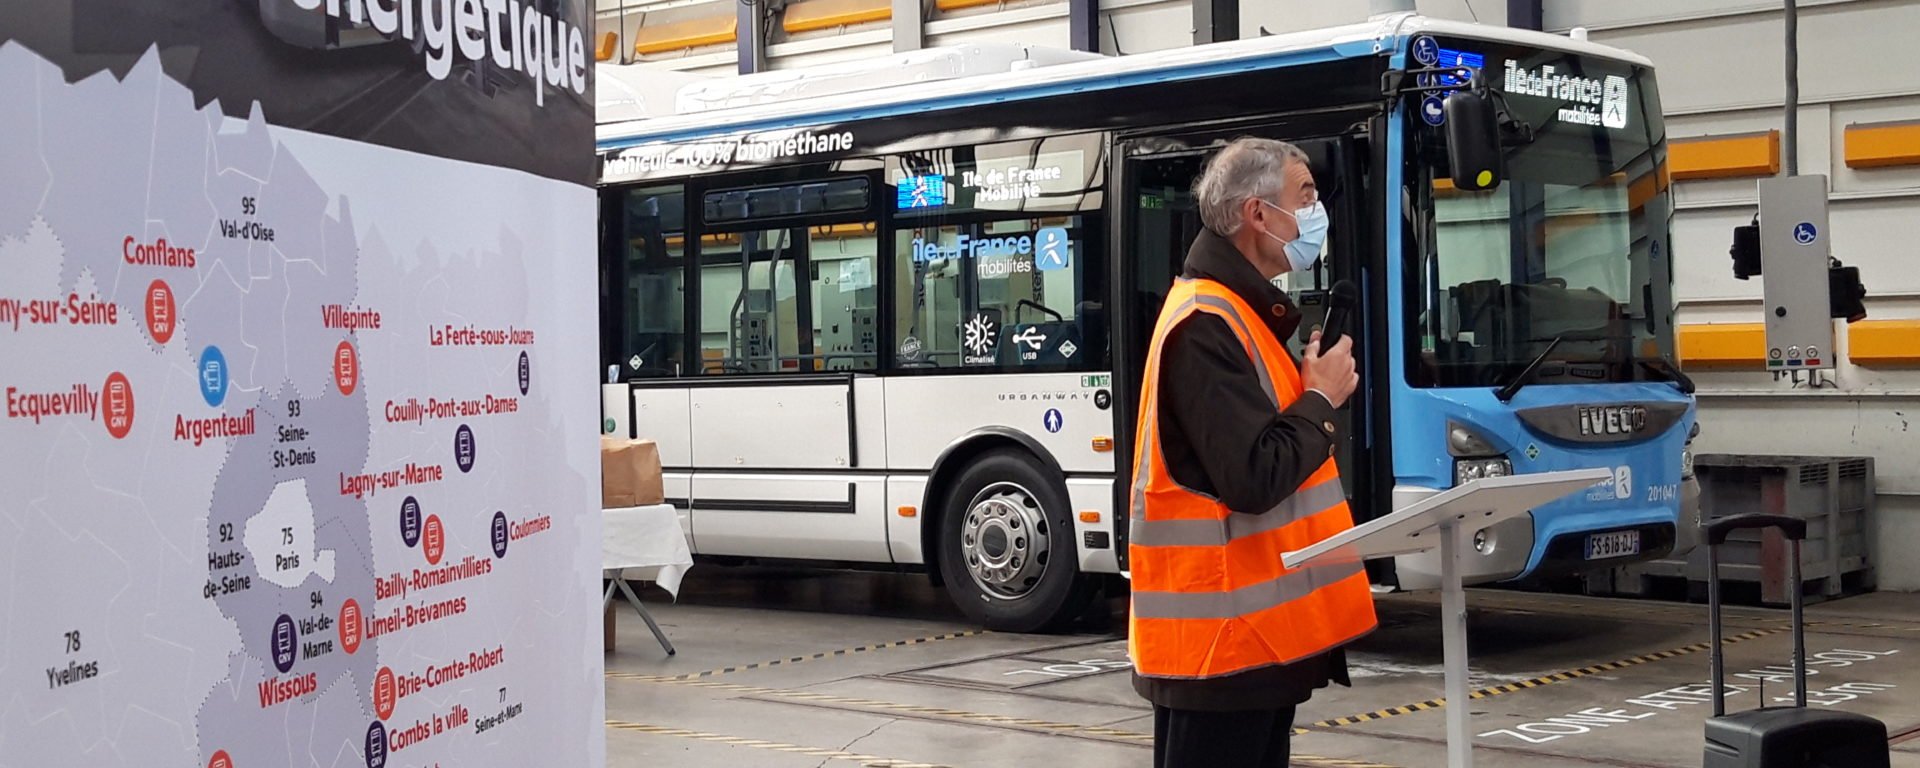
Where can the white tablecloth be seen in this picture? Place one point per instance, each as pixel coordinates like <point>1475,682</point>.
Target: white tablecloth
<point>646,543</point>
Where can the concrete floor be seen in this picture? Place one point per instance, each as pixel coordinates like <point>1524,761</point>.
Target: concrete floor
<point>813,669</point>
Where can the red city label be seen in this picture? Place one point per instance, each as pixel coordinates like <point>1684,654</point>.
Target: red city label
<point>220,760</point>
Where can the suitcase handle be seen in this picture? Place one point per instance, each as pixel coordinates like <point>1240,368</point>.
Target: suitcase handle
<point>1794,528</point>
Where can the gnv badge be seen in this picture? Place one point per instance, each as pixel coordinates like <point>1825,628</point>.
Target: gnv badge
<point>376,745</point>
<point>286,643</point>
<point>410,522</point>
<point>463,448</point>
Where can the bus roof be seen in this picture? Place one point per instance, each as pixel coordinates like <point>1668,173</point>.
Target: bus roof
<point>1368,38</point>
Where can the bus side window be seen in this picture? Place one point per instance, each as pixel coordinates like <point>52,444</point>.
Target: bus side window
<point>1008,293</point>
<point>795,300</point>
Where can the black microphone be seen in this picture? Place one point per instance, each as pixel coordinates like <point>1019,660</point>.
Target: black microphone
<point>1341,301</point>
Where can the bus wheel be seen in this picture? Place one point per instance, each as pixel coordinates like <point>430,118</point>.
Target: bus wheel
<point>1006,546</point>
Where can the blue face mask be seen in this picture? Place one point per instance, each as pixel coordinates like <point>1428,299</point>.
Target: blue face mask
<point>1305,249</point>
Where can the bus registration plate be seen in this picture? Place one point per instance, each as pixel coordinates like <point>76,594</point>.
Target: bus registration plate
<point>1616,544</point>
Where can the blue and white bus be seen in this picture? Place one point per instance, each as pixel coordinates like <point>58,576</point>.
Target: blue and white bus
<point>892,313</point>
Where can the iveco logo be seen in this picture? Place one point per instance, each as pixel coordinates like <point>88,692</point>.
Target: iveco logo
<point>1607,420</point>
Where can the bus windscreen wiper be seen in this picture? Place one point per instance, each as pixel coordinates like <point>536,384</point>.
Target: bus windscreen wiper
<point>1662,366</point>
<point>1512,388</point>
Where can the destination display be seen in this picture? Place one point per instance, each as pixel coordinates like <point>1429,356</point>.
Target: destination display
<point>288,470</point>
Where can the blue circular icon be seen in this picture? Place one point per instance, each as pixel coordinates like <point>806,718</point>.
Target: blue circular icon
<point>1053,420</point>
<point>1426,51</point>
<point>463,449</point>
<point>286,643</point>
<point>526,374</point>
<point>376,745</point>
<point>1805,233</point>
<point>213,376</point>
<point>499,534</point>
<point>410,522</point>
<point>1433,109</point>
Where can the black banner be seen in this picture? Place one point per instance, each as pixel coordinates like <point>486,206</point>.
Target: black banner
<point>484,81</point>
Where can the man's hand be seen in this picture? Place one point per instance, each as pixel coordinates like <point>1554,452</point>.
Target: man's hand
<point>1331,372</point>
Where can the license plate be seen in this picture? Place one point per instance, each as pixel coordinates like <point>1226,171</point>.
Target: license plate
<point>1617,544</point>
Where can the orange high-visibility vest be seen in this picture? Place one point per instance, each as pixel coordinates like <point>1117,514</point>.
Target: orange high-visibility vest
<point>1210,595</point>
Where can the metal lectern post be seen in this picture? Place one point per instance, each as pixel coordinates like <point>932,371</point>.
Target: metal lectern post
<point>1449,516</point>
<point>1453,637</point>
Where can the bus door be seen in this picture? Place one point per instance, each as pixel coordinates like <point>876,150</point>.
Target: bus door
<point>1159,220</point>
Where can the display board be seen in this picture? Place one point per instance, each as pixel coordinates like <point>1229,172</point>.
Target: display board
<point>297,462</point>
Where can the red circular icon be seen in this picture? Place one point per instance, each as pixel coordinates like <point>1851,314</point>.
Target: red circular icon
<point>160,314</point>
<point>346,368</point>
<point>434,540</point>
<point>350,626</point>
<point>383,694</point>
<point>116,405</point>
<point>220,760</point>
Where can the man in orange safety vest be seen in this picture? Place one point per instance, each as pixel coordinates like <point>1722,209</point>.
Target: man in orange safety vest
<point>1232,467</point>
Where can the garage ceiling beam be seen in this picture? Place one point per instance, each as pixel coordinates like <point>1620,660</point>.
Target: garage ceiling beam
<point>751,40</point>
<point>909,25</point>
<point>1083,25</point>
<point>1525,14</point>
<point>1215,21</point>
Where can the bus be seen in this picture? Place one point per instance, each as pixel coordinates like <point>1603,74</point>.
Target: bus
<point>893,313</point>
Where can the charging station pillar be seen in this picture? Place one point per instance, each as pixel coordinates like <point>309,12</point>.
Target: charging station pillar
<point>1793,253</point>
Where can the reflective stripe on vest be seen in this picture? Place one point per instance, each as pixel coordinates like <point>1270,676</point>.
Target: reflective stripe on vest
<point>1210,594</point>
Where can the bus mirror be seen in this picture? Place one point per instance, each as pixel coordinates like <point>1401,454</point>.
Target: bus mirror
<point>1473,141</point>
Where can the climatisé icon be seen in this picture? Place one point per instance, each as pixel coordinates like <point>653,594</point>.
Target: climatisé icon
<point>980,335</point>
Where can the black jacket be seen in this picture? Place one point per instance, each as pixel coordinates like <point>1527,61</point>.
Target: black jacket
<point>1221,437</point>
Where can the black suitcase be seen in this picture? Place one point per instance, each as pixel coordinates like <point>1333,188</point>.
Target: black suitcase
<point>1781,737</point>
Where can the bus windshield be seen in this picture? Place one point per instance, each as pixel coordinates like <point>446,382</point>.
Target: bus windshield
<point>1571,247</point>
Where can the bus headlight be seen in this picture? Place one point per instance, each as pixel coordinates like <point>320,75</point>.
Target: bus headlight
<point>1474,469</point>
<point>1686,453</point>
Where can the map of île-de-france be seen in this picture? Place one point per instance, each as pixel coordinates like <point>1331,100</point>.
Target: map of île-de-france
<point>252,401</point>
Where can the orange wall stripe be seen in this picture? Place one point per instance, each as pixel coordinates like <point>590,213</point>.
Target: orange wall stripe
<point>1725,157</point>
<point>1883,145</point>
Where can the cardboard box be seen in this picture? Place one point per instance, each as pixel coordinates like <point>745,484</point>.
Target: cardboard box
<point>630,473</point>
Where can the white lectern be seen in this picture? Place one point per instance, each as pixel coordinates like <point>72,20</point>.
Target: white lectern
<point>1445,520</point>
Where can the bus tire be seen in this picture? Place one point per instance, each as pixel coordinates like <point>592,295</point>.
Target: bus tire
<point>1007,551</point>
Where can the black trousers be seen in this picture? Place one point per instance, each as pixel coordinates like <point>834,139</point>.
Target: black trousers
<point>1185,738</point>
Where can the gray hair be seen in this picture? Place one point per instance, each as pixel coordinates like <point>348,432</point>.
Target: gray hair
<point>1247,168</point>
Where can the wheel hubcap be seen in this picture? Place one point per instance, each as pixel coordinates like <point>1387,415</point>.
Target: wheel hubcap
<point>1004,538</point>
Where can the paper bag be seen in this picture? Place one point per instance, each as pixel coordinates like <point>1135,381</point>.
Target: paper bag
<point>630,473</point>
